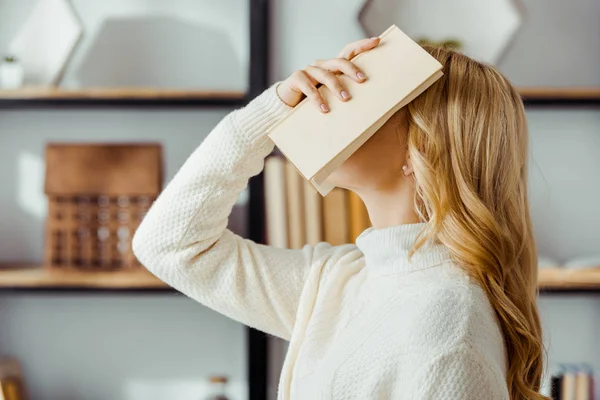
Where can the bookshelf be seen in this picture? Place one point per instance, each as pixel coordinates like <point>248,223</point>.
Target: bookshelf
<point>48,97</point>
<point>53,97</point>
<point>36,278</point>
<point>31,277</point>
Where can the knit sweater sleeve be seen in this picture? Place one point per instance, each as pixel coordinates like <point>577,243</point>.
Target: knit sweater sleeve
<point>459,373</point>
<point>184,240</point>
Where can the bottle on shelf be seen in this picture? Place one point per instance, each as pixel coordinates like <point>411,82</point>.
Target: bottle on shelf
<point>218,388</point>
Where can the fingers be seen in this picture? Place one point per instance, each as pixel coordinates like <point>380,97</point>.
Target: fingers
<point>355,48</point>
<point>325,72</point>
<point>330,80</point>
<point>344,66</point>
<point>307,85</point>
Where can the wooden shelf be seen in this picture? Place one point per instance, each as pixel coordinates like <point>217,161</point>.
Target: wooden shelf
<point>560,96</point>
<point>33,96</point>
<point>557,279</point>
<point>30,277</point>
<point>113,97</point>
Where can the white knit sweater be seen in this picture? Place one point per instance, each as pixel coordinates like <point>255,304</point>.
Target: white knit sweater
<point>363,321</point>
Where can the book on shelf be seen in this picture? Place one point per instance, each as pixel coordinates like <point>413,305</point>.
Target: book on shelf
<point>335,217</point>
<point>359,217</point>
<point>574,382</point>
<point>294,185</point>
<point>275,203</point>
<point>317,143</point>
<point>296,214</point>
<point>12,385</point>
<point>313,214</point>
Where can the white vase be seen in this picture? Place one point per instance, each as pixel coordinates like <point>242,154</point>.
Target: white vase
<point>11,75</point>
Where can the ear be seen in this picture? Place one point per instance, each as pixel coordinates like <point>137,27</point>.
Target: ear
<point>407,168</point>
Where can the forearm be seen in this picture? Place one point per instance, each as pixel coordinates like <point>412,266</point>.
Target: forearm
<point>195,205</point>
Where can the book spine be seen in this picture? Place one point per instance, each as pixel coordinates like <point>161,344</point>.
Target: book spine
<point>295,208</point>
<point>568,386</point>
<point>313,203</point>
<point>275,202</point>
<point>335,217</point>
<point>358,216</point>
<point>556,387</point>
<point>582,386</point>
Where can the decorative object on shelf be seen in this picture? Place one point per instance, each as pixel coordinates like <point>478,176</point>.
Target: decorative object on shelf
<point>485,30</point>
<point>218,388</point>
<point>12,386</point>
<point>398,70</point>
<point>98,195</point>
<point>166,47</point>
<point>11,73</point>
<point>46,41</point>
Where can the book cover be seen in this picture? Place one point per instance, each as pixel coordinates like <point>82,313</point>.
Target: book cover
<point>335,217</point>
<point>556,387</point>
<point>313,212</point>
<point>398,70</point>
<point>583,387</point>
<point>359,217</point>
<point>568,386</point>
<point>275,207</point>
<point>295,207</point>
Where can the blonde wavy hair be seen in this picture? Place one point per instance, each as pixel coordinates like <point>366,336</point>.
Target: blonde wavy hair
<point>468,144</point>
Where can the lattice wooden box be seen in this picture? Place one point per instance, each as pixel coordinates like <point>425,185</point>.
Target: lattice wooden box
<point>98,195</point>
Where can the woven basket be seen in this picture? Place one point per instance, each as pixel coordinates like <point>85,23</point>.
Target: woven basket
<point>98,195</point>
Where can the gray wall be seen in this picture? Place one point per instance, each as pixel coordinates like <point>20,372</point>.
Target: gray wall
<point>125,347</point>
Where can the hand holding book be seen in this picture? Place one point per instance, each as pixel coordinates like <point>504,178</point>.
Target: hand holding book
<point>318,142</point>
<point>304,82</point>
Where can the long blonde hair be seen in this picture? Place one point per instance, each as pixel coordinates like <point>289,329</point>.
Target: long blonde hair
<point>468,144</point>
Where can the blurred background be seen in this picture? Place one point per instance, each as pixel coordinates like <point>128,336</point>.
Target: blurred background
<point>84,321</point>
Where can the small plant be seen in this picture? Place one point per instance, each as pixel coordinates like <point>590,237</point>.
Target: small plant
<point>10,59</point>
<point>451,44</point>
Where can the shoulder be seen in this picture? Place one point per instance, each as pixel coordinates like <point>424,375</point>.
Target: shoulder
<point>452,310</point>
<point>460,372</point>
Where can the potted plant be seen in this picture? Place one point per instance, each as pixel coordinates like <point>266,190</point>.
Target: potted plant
<point>11,73</point>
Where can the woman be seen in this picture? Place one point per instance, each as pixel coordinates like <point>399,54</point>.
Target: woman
<point>436,301</point>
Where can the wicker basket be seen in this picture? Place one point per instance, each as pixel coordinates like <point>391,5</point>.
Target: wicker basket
<point>98,195</point>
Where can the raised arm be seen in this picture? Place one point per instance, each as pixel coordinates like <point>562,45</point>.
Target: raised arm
<point>184,241</point>
<point>184,238</point>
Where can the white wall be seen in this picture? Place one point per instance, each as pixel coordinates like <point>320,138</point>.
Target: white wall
<point>121,347</point>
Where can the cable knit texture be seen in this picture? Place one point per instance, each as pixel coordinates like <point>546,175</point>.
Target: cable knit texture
<point>364,321</point>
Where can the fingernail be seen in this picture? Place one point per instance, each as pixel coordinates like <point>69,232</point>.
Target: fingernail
<point>375,37</point>
<point>345,95</point>
<point>324,108</point>
<point>361,75</point>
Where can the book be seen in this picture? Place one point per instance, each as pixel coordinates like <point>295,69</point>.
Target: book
<point>313,214</point>
<point>275,208</point>
<point>317,143</point>
<point>358,216</point>
<point>583,386</point>
<point>567,391</point>
<point>11,380</point>
<point>335,217</point>
<point>556,387</point>
<point>295,207</point>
